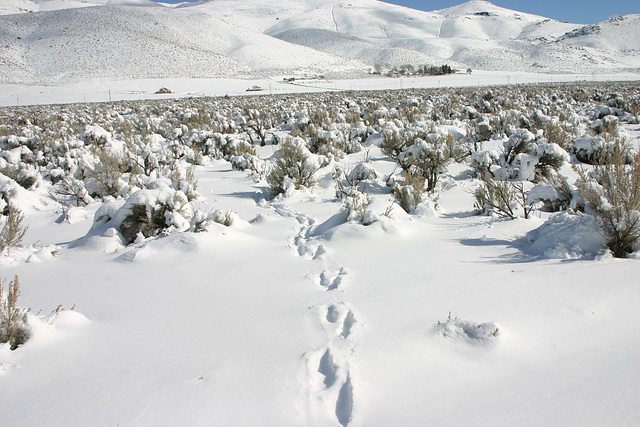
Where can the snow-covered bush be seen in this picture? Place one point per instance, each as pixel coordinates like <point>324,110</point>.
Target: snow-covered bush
<point>106,175</point>
<point>351,188</point>
<point>522,142</point>
<point>13,230</point>
<point>481,162</point>
<point>417,152</point>
<point>612,194</point>
<point>293,166</point>
<point>502,198</point>
<point>394,140</point>
<point>555,193</point>
<point>185,181</point>
<point>147,213</point>
<point>595,150</point>
<point>550,157</point>
<point>349,182</point>
<point>410,193</point>
<point>13,319</point>
<point>557,133</point>
<point>357,205</point>
<point>225,218</point>
<point>201,220</point>
<point>70,187</point>
<point>472,332</point>
<point>248,161</point>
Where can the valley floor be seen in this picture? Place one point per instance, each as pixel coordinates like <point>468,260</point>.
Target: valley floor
<point>100,91</point>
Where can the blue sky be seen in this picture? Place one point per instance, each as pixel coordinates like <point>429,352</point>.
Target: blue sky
<point>575,11</point>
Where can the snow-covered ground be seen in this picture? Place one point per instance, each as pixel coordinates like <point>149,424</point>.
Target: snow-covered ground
<point>294,316</point>
<point>142,89</point>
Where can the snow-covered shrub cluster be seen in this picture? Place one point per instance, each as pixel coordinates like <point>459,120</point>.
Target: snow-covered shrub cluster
<point>138,157</point>
<point>612,193</point>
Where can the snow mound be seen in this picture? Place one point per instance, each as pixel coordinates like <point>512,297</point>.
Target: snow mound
<point>468,331</point>
<point>567,236</point>
<point>44,330</point>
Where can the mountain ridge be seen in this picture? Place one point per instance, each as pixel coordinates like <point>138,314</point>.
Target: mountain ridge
<point>60,41</point>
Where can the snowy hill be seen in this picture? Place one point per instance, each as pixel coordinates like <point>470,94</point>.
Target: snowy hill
<point>66,40</point>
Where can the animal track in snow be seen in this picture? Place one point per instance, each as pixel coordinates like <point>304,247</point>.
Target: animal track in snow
<point>344,403</point>
<point>332,281</point>
<point>341,315</point>
<point>328,368</point>
<point>347,324</point>
<point>332,314</point>
<point>337,386</point>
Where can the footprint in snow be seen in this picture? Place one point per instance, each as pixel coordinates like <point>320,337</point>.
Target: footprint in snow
<point>346,317</point>
<point>344,404</point>
<point>328,368</point>
<point>332,281</point>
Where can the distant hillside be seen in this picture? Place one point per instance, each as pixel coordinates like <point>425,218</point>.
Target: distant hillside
<point>55,41</point>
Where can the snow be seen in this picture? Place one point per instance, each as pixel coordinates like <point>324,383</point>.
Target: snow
<point>299,309</point>
<point>143,89</point>
<point>567,236</point>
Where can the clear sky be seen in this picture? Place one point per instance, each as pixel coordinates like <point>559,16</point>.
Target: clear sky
<point>575,11</point>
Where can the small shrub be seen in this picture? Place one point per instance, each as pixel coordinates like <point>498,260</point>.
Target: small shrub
<point>249,162</point>
<point>149,223</point>
<point>427,159</point>
<point>13,319</point>
<point>551,157</point>
<point>597,151</point>
<point>351,181</point>
<point>73,188</point>
<point>13,231</point>
<point>556,133</point>
<point>522,142</point>
<point>502,198</point>
<point>357,206</point>
<point>554,193</point>
<point>481,162</point>
<point>613,195</point>
<point>107,175</point>
<point>394,141</point>
<point>223,217</point>
<point>470,331</point>
<point>292,166</point>
<point>411,193</point>
<point>185,181</point>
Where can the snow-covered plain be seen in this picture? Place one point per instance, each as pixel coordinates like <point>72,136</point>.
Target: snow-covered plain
<point>294,315</point>
<point>143,89</point>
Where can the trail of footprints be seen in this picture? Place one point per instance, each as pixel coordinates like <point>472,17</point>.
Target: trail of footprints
<point>332,360</point>
<point>330,364</point>
<point>330,384</point>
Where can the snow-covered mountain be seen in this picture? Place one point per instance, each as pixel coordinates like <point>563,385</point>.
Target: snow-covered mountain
<point>54,41</point>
